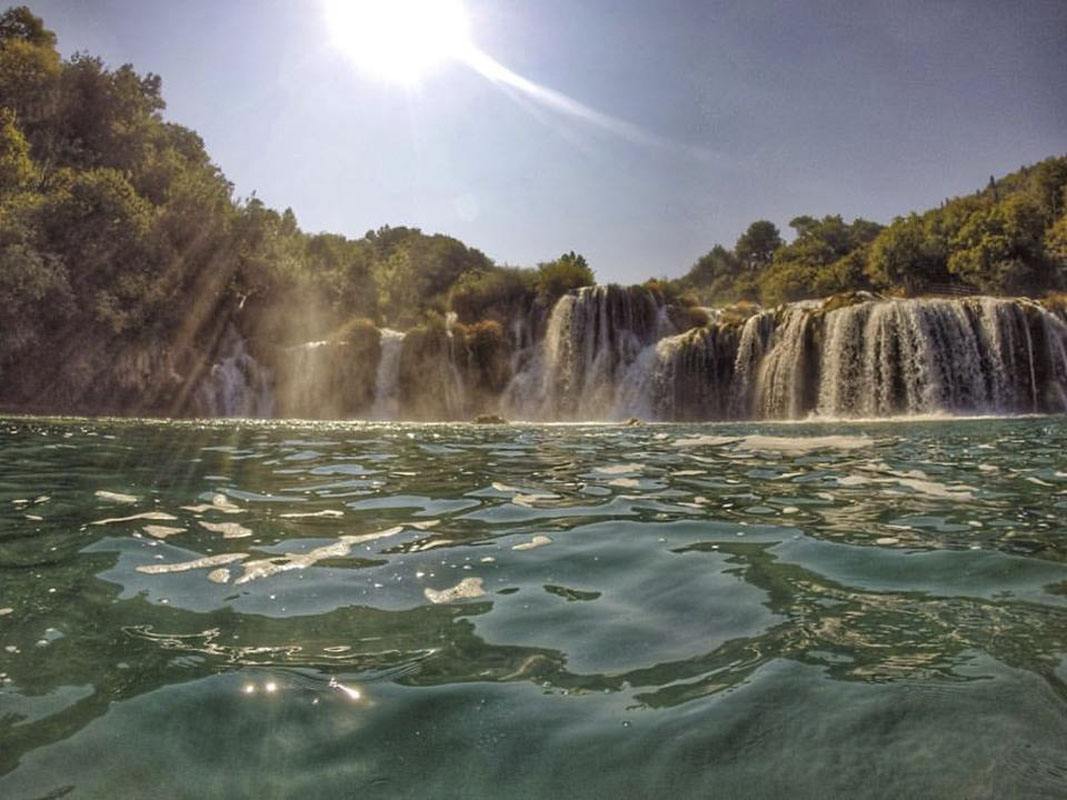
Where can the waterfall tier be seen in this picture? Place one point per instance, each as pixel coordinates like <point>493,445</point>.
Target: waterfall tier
<point>387,377</point>
<point>237,385</point>
<point>584,361</point>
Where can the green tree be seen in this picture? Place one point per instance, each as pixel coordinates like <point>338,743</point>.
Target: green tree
<point>1001,249</point>
<point>29,66</point>
<point>717,277</point>
<point>19,23</point>
<point>342,270</point>
<point>787,281</point>
<point>101,228</point>
<point>110,118</point>
<point>756,246</point>
<point>34,292</point>
<point>16,168</point>
<point>826,257</point>
<point>714,266</point>
<point>905,255</point>
<point>1056,251</point>
<point>498,293</point>
<point>568,272</point>
<point>398,288</point>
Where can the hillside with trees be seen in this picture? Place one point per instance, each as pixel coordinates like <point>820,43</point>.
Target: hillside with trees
<point>1010,238</point>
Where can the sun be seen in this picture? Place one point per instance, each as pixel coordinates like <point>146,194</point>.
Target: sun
<point>399,41</point>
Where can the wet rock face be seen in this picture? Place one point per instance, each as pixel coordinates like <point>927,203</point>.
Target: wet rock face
<point>100,378</point>
<point>453,371</point>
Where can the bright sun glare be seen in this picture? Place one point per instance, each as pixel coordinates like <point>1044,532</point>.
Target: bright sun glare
<point>400,41</point>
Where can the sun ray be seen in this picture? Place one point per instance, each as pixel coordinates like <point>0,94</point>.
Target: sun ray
<point>491,69</point>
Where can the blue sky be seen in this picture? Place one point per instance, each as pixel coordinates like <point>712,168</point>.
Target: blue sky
<point>860,108</point>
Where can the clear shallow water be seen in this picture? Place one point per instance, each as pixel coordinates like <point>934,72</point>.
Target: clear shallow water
<point>804,610</point>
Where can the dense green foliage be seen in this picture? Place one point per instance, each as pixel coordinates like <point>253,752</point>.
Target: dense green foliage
<point>498,293</point>
<point>1010,238</point>
<point>114,222</point>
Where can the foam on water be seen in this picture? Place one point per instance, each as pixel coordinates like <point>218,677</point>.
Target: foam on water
<point>206,562</point>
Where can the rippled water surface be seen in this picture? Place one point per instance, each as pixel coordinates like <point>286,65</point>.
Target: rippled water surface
<point>345,610</point>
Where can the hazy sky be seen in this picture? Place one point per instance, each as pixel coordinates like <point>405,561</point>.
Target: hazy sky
<point>776,108</point>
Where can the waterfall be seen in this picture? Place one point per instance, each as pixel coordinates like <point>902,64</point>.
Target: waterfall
<point>937,355</point>
<point>608,352</point>
<point>1054,336</point>
<point>593,338</point>
<point>455,399</point>
<point>782,376</point>
<point>306,377</point>
<point>683,377</point>
<point>236,385</point>
<point>640,392</point>
<point>433,369</point>
<point>755,338</point>
<point>331,379</point>
<point>387,378</point>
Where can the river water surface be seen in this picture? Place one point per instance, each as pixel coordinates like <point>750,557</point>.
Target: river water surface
<point>223,610</point>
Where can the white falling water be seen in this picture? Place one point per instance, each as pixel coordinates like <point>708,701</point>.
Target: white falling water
<point>592,340</point>
<point>1054,331</point>
<point>455,390</point>
<point>1011,350</point>
<point>306,375</point>
<point>237,385</point>
<point>781,377</point>
<point>938,355</point>
<point>387,379</point>
<point>755,338</point>
<point>640,392</point>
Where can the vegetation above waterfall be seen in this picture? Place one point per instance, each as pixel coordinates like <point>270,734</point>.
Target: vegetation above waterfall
<point>1009,238</point>
<point>125,256</point>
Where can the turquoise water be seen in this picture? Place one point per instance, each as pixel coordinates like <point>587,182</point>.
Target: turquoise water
<point>346,610</point>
